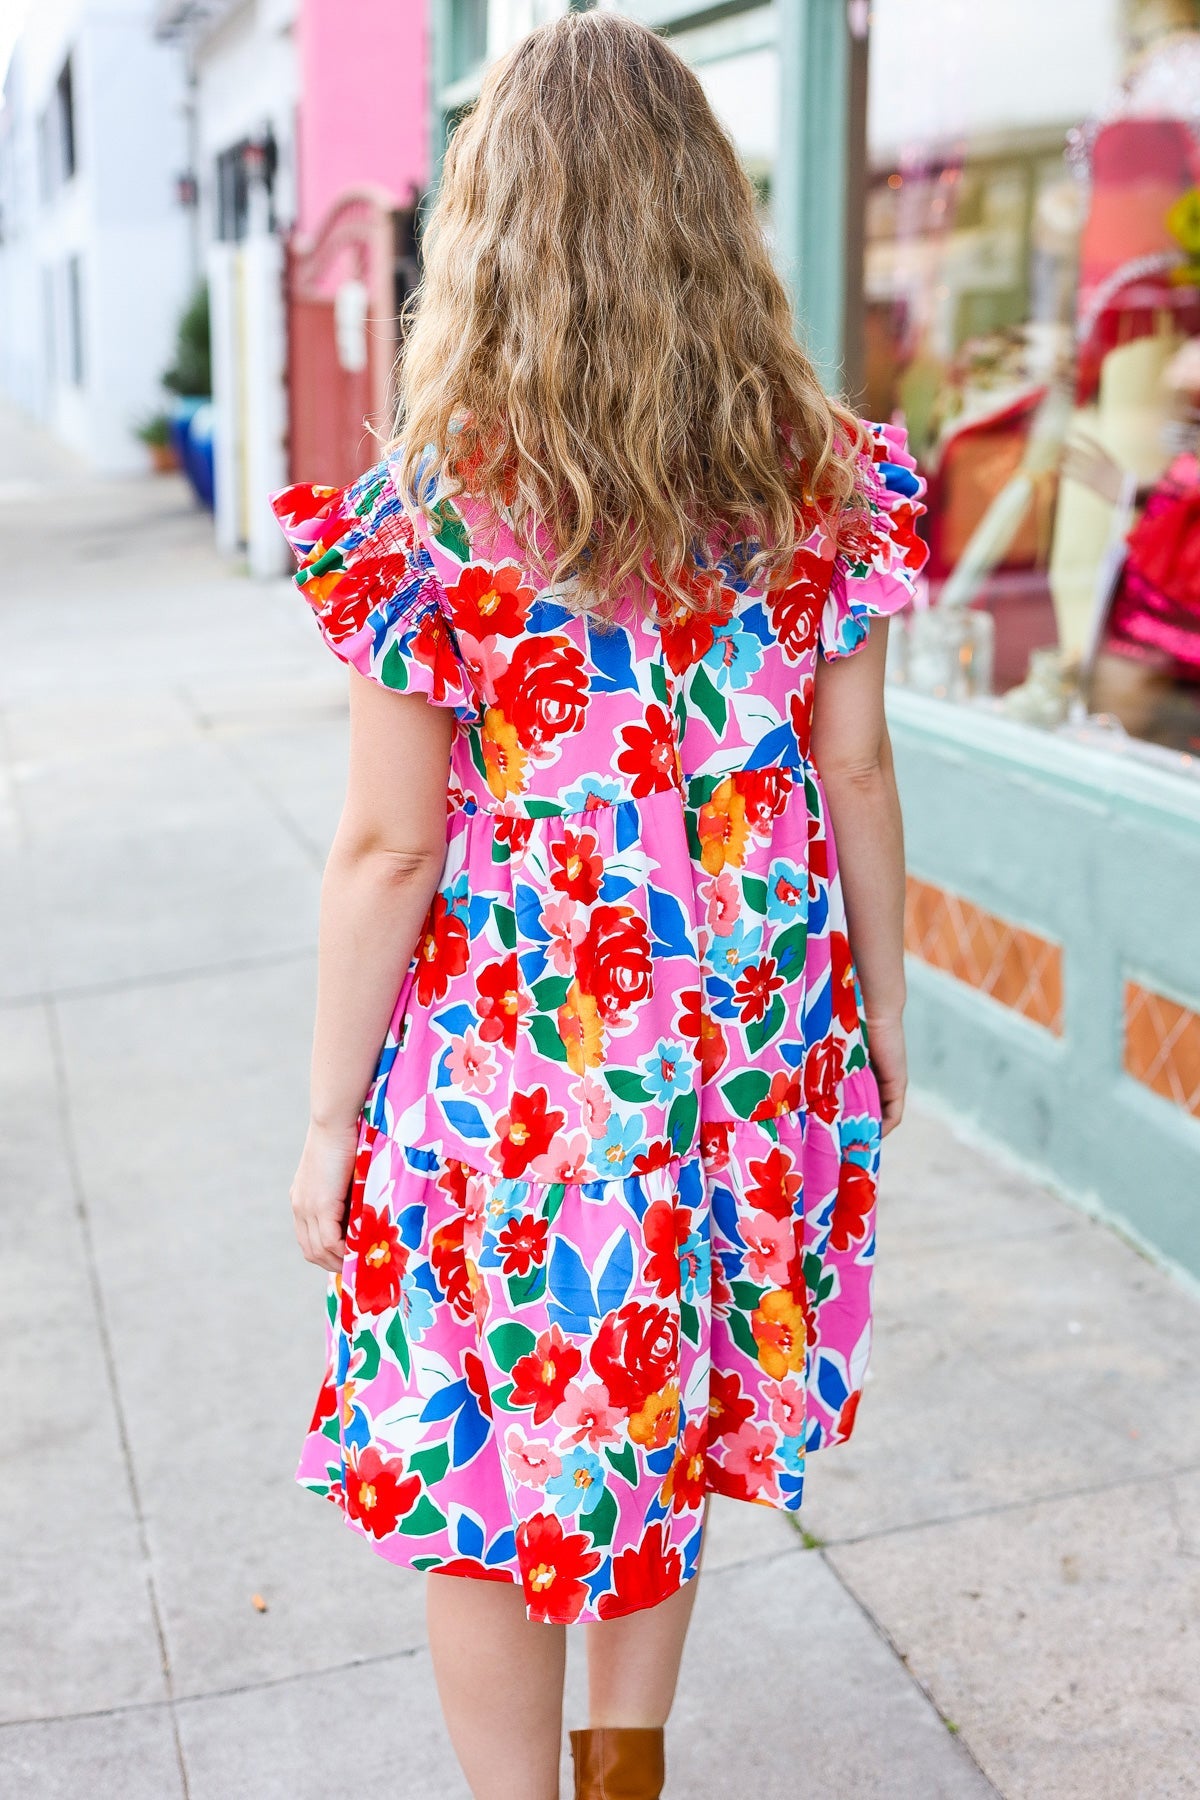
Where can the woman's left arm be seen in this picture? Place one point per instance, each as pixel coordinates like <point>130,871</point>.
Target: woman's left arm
<point>382,874</point>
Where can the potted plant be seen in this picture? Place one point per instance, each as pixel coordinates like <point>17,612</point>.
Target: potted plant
<point>155,432</point>
<point>190,379</point>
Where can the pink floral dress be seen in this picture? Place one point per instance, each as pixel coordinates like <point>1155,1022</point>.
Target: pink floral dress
<point>611,1232</point>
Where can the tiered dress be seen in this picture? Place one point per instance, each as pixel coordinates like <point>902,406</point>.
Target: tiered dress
<point>611,1232</point>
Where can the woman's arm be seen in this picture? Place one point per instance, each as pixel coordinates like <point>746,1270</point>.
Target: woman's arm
<point>382,874</point>
<point>853,754</point>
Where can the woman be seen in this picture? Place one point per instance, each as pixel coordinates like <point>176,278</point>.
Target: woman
<point>611,1178</point>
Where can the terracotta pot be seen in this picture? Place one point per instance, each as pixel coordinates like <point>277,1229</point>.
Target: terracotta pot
<point>163,459</point>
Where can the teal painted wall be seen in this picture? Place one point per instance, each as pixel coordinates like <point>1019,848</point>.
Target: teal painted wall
<point>1100,852</point>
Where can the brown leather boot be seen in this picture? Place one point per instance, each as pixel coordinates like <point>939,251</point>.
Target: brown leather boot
<point>614,1763</point>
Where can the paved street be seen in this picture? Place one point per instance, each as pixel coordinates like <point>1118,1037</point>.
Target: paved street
<point>997,1589</point>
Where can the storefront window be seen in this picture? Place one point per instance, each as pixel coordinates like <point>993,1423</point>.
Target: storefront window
<point>1032,312</point>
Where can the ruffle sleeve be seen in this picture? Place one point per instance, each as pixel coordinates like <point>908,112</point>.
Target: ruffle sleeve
<point>879,554</point>
<point>373,589</point>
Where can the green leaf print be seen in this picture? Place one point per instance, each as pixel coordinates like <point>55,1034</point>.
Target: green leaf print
<point>689,1323</point>
<point>740,1332</point>
<point>522,1289</point>
<point>762,1031</point>
<point>544,1033</point>
<point>366,1345</point>
<point>396,1339</point>
<point>505,920</point>
<point>549,994</point>
<point>857,1059</point>
<point>509,1341</point>
<point>332,1428</point>
<point>746,1091</point>
<point>430,1464</point>
<point>502,1397</point>
<point>707,700</point>
<point>747,1295</point>
<point>658,682</point>
<point>754,892</point>
<point>450,531</point>
<point>602,1520</point>
<point>424,1519</point>
<point>789,950</point>
<point>627,1085</point>
<point>393,672</point>
<point>681,1122</point>
<point>624,1462</point>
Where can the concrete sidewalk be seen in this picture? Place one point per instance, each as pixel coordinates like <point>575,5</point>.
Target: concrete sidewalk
<point>998,1584</point>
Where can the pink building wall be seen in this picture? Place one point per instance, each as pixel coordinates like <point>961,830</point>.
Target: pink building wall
<point>364,100</point>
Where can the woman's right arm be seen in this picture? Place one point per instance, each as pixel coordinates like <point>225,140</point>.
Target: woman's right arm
<point>853,755</point>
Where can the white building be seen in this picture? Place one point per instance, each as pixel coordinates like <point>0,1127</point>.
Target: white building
<point>95,266</point>
<point>242,55</point>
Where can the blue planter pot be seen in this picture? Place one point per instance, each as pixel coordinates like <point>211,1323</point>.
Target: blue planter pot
<point>191,436</point>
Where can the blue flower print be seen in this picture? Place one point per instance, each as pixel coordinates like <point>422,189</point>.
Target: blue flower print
<point>695,1267</point>
<point>734,952</point>
<point>787,892</point>
<point>457,897</point>
<point>579,1486</point>
<point>668,1071</point>
<point>586,794</point>
<point>621,1143</point>
<point>416,1307</point>
<point>735,655</point>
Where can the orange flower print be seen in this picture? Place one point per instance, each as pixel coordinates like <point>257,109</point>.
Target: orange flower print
<point>656,1421</point>
<point>503,757</point>
<point>780,1333</point>
<point>723,828</point>
<point>685,1485</point>
<point>580,1029</point>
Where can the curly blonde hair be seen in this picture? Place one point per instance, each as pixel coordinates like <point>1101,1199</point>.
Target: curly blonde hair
<point>600,347</point>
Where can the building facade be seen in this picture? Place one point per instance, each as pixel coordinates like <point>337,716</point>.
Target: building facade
<point>94,266</point>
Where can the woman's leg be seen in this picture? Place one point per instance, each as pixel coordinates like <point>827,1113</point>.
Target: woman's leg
<point>500,1681</point>
<point>633,1663</point>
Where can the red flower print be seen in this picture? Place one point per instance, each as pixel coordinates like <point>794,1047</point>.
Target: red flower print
<point>650,757</point>
<point>796,609</point>
<point>477,1381</point>
<point>474,1570</point>
<point>442,952</point>
<point>852,1208</point>
<point>783,1095</point>
<point>499,1003</point>
<point>553,1567</point>
<point>382,1260</point>
<point>487,603</point>
<point>716,1139</point>
<point>687,635</point>
<point>613,962</point>
<point>728,1407</point>
<point>766,793</point>
<point>750,1458</point>
<point>343,598</point>
<point>431,646</point>
<point>544,690</point>
<point>525,1131</point>
<point>522,1243</point>
<point>845,1424</point>
<point>576,866</point>
<point>635,1352</point>
<point>666,1229</point>
<point>685,1485</point>
<point>642,1575</point>
<point>541,1378</point>
<point>378,1492</point>
<point>777,1185</point>
<point>841,976</point>
<point>822,1079</point>
<point>326,1406</point>
<point>800,710</point>
<point>700,1026</point>
<point>755,989</point>
<point>448,1259</point>
<point>513,829</point>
